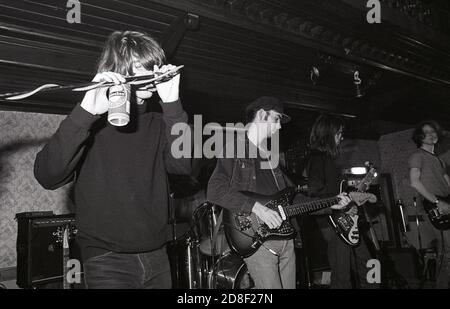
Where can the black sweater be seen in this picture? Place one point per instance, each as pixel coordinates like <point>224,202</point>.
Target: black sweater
<point>121,189</point>
<point>323,177</point>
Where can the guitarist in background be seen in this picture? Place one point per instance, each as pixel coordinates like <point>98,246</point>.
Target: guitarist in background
<point>272,266</point>
<point>429,177</point>
<point>324,178</point>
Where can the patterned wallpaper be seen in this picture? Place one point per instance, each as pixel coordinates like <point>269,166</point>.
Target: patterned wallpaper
<point>395,149</point>
<point>21,137</point>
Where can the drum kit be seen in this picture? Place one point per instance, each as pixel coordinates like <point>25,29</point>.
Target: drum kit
<point>199,255</point>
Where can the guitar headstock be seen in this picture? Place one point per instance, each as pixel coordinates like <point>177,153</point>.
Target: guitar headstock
<point>368,178</point>
<point>361,197</point>
<point>66,237</point>
<point>65,233</point>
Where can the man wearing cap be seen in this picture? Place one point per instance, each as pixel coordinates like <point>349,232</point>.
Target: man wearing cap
<point>272,266</point>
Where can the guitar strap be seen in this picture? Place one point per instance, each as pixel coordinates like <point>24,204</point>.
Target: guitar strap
<point>273,173</point>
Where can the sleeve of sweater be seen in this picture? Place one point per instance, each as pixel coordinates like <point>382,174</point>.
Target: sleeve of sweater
<point>174,115</point>
<point>56,162</point>
<point>317,181</point>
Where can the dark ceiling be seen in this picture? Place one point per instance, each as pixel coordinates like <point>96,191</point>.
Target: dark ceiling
<point>237,50</point>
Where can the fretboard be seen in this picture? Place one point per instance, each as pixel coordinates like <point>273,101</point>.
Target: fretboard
<point>310,206</point>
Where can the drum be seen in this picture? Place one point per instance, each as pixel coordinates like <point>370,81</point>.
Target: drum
<point>184,208</point>
<point>186,263</point>
<point>230,272</point>
<point>205,222</point>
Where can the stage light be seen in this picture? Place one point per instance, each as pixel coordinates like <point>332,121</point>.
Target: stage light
<point>320,67</point>
<point>359,92</point>
<point>315,74</point>
<point>358,170</point>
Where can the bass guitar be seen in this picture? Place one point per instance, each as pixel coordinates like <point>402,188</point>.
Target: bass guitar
<point>438,220</point>
<point>245,232</point>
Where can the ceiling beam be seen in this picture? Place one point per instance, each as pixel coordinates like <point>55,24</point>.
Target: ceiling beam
<point>311,35</point>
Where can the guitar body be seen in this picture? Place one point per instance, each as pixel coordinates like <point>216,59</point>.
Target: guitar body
<point>346,226</point>
<point>439,221</point>
<point>245,232</point>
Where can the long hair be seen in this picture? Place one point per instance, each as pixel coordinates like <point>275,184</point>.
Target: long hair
<point>418,134</point>
<point>122,46</point>
<point>323,132</point>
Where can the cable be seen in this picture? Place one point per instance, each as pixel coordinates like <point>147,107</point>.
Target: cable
<point>254,237</point>
<point>269,249</point>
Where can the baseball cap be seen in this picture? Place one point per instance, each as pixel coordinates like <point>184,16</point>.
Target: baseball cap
<point>267,104</point>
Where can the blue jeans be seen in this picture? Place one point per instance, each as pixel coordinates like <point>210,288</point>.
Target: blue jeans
<point>270,271</point>
<point>112,270</point>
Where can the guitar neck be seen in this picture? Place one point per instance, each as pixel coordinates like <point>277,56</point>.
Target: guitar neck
<point>66,253</point>
<point>310,206</point>
<point>66,256</point>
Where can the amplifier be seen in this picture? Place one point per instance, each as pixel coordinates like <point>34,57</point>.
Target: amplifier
<point>40,249</point>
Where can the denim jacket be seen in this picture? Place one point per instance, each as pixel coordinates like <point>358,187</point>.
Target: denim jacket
<point>234,175</point>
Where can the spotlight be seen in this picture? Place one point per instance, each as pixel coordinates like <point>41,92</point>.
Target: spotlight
<point>359,92</point>
<point>315,74</point>
<point>354,175</point>
<point>320,68</point>
<point>358,170</point>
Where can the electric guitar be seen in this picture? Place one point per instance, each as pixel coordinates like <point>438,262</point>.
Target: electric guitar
<point>438,220</point>
<point>66,257</point>
<point>63,236</point>
<point>245,232</point>
<point>346,225</point>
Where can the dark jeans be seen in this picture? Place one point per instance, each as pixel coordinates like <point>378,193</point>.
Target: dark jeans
<point>443,258</point>
<point>150,270</point>
<point>345,260</point>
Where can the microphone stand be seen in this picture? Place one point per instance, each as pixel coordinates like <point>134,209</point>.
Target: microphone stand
<point>424,256</point>
<point>211,232</point>
<point>305,255</point>
<point>419,238</point>
<point>172,220</point>
<point>140,80</point>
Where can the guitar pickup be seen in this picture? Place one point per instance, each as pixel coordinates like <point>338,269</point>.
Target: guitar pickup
<point>282,214</point>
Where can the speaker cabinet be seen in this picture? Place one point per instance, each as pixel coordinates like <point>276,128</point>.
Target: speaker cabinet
<point>40,249</point>
<point>400,267</point>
